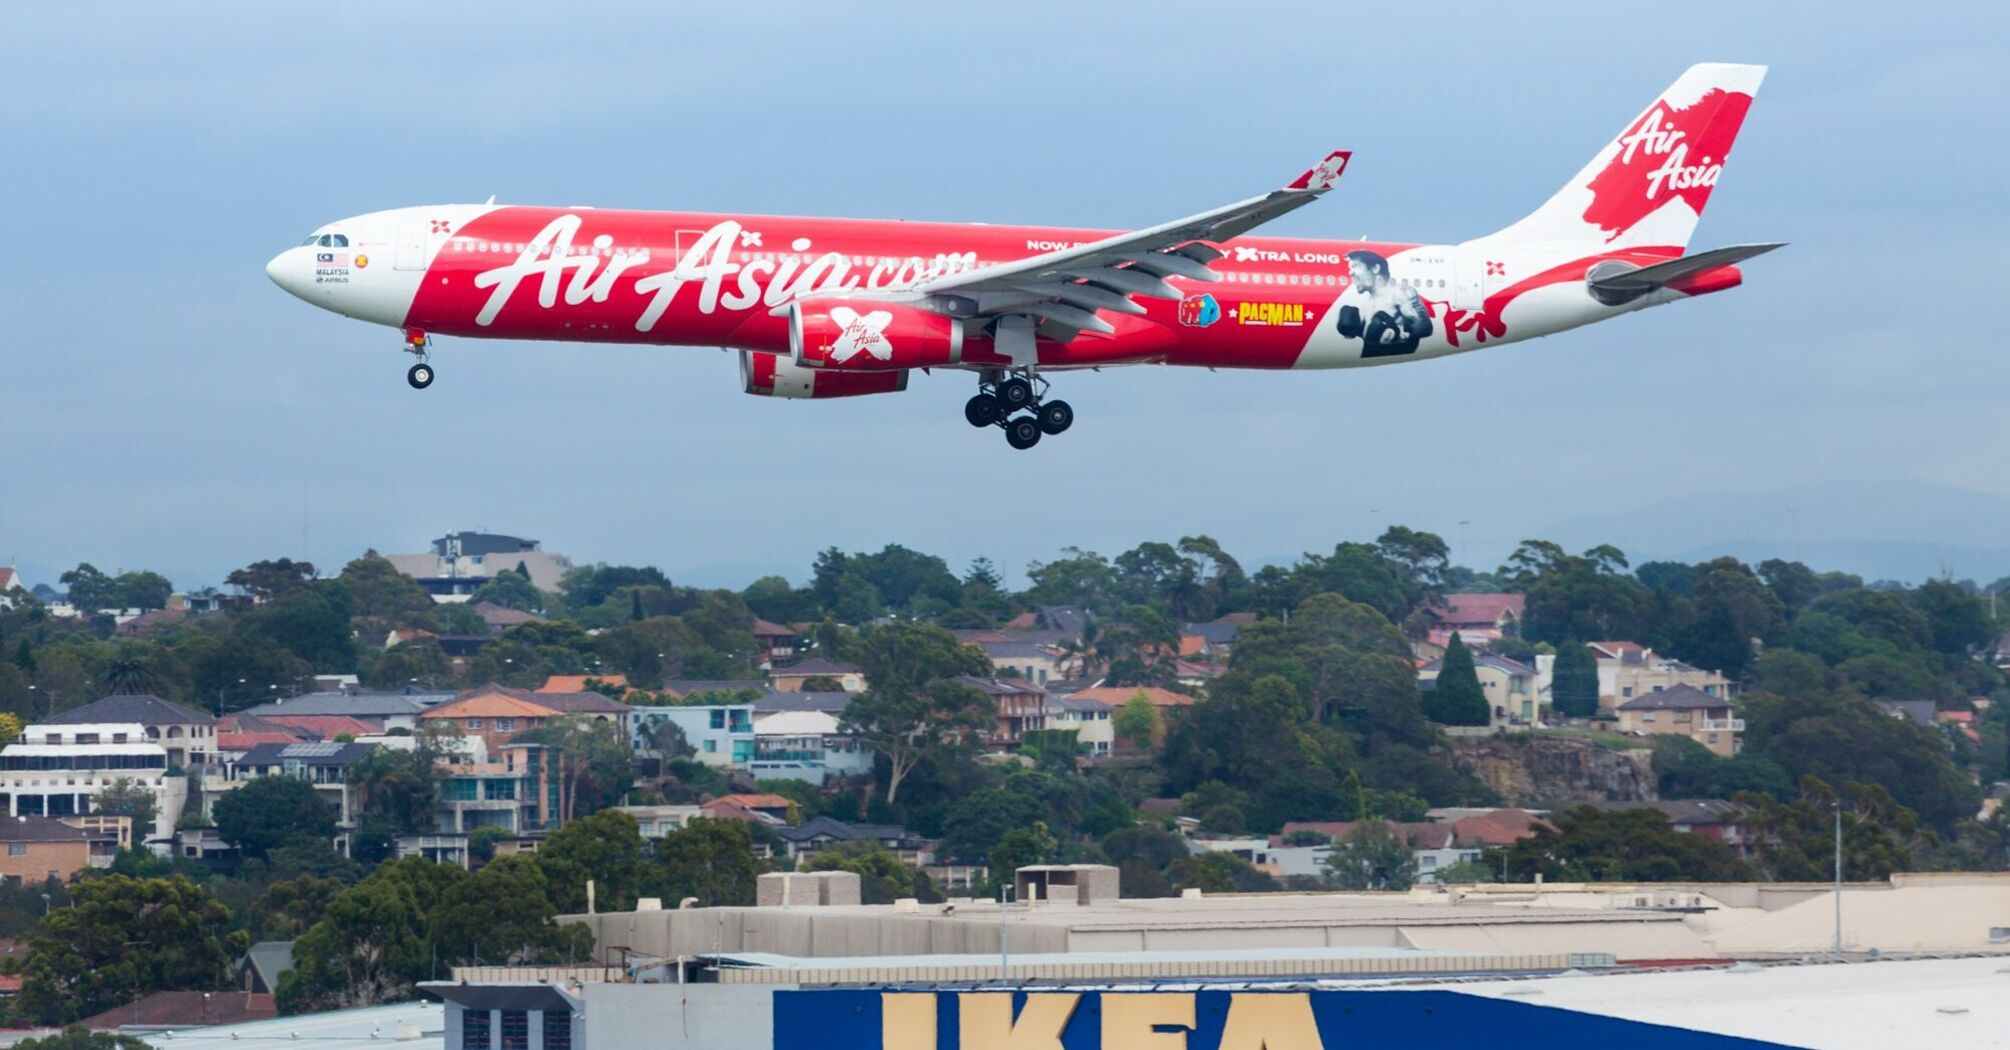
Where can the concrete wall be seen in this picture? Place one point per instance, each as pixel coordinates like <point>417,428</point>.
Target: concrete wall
<point>805,932</point>
<point>690,1017</point>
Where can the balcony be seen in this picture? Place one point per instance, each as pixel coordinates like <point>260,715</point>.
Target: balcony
<point>1723,725</point>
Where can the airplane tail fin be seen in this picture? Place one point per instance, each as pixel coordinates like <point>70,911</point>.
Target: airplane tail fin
<point>1648,186</point>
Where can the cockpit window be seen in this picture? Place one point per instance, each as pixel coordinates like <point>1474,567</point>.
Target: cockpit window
<point>341,241</point>
<point>311,240</point>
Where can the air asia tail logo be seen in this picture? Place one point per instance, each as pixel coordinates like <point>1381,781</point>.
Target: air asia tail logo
<point>1670,152</point>
<point>860,334</point>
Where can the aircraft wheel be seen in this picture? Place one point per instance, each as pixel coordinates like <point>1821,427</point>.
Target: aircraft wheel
<point>1023,432</point>
<point>983,410</point>
<point>1014,394</point>
<point>420,376</point>
<point>1054,416</point>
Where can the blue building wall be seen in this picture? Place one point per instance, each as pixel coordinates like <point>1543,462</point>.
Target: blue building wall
<point>922,1019</point>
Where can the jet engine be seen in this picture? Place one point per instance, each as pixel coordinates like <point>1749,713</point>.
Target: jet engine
<point>863,335</point>
<point>772,375</point>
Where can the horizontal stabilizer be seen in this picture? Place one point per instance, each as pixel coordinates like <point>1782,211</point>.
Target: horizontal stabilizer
<point>1660,275</point>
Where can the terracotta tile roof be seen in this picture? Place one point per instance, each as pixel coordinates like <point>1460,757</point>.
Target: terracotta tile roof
<point>497,616</point>
<point>1481,610</point>
<point>765,629</point>
<point>782,802</point>
<point>1500,828</point>
<point>576,683</point>
<point>9,579</point>
<point>186,1010</point>
<point>327,727</point>
<point>491,701</point>
<point>1118,695</point>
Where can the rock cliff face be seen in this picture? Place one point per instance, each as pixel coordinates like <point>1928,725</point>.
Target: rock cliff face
<point>1537,771</point>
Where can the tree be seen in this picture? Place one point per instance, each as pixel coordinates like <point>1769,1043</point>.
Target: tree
<point>1457,699</point>
<point>122,938</point>
<point>1137,723</point>
<point>1574,685</point>
<point>883,879</point>
<point>1217,872</point>
<point>1372,856</point>
<point>384,594</point>
<point>712,860</point>
<point>126,797</point>
<point>77,1037</point>
<point>1729,610</point>
<point>594,759</point>
<point>606,848</point>
<point>913,707</point>
<point>266,580</point>
<point>503,916</point>
<point>130,671</point>
<point>268,812</point>
<point>1627,845</point>
<point>10,727</point>
<point>373,942</point>
<point>395,788</point>
<point>511,590</point>
<point>312,622</point>
<point>290,907</point>
<point>1797,839</point>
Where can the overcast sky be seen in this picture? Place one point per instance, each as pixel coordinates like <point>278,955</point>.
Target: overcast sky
<point>164,406</point>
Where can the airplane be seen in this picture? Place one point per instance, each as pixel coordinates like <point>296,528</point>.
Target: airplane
<point>826,308</point>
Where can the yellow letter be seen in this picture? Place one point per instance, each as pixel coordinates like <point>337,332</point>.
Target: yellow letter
<point>1270,1021</point>
<point>986,1021</point>
<point>907,1021</point>
<point>1130,1020</point>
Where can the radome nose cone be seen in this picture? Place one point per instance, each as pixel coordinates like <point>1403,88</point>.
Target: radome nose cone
<point>290,270</point>
<point>275,267</point>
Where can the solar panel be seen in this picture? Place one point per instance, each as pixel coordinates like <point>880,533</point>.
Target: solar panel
<point>322,749</point>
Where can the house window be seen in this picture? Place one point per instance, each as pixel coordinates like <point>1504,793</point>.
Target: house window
<point>474,723</point>
<point>475,1030</point>
<point>17,849</point>
<point>718,719</point>
<point>504,725</point>
<point>1626,691</point>
<point>711,747</point>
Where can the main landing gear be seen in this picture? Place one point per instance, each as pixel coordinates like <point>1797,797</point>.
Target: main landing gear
<point>1001,395</point>
<point>419,375</point>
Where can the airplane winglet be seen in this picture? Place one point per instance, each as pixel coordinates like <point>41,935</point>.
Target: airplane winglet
<point>1321,176</point>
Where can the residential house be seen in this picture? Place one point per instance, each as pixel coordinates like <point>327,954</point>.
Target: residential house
<point>518,790</point>
<point>654,822</point>
<point>1918,712</point>
<point>1713,818</point>
<point>1962,722</point>
<point>1629,669</point>
<point>598,707</point>
<point>1051,623</point>
<point>1036,662</point>
<point>721,734</point>
<point>11,587</point>
<point>1212,641</point>
<point>772,811</point>
<point>1087,717</point>
<point>188,735</point>
<point>325,727</point>
<point>56,769</point>
<point>1686,710</point>
<point>324,764</point>
<point>806,745</point>
<point>1021,705</point>
<point>111,835</point>
<point>777,644</point>
<point>261,967</point>
<point>790,679</point>
<point>714,690</point>
<point>1169,704</point>
<point>34,850</point>
<point>1512,689</point>
<point>400,710</point>
<point>492,713</point>
<point>1437,843</point>
<point>460,563</point>
<point>1477,618</point>
<point>576,683</point>
<point>240,732</point>
<point>440,847</point>
<point>806,840</point>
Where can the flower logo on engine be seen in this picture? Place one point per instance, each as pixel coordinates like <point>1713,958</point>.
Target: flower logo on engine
<point>860,334</point>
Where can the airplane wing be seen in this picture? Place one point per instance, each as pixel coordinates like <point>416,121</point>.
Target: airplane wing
<point>1058,293</point>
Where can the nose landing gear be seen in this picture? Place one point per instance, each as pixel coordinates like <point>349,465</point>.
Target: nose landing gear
<point>1000,395</point>
<point>419,375</point>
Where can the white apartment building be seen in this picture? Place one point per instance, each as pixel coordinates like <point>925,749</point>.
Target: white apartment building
<point>56,769</point>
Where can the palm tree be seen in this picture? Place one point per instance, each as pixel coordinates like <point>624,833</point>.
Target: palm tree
<point>128,673</point>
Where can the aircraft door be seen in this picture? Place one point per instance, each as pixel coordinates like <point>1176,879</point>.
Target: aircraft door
<point>414,245</point>
<point>1469,272</point>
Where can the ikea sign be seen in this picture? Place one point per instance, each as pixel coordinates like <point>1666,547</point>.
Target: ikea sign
<point>1197,1020</point>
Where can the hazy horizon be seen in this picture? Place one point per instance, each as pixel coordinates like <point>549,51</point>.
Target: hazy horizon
<point>166,407</point>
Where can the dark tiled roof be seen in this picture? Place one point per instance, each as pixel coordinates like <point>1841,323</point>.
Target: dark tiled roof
<point>1014,650</point>
<point>815,665</point>
<point>354,705</point>
<point>1678,811</point>
<point>1213,633</point>
<point>776,702</point>
<point>1677,697</point>
<point>998,686</point>
<point>142,708</point>
<point>314,754</point>
<point>829,827</point>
